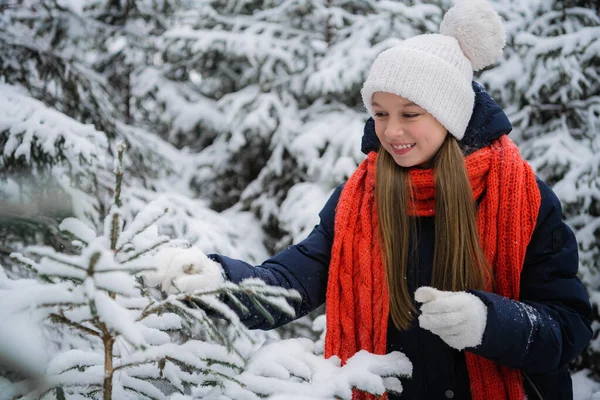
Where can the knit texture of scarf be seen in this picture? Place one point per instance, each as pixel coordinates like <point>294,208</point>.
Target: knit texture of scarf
<point>357,294</point>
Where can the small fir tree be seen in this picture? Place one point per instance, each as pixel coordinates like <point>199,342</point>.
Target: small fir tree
<point>122,341</point>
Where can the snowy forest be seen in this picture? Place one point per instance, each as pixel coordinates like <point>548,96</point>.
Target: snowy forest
<point>127,125</point>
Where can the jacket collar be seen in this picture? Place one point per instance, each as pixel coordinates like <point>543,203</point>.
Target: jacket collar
<point>487,123</point>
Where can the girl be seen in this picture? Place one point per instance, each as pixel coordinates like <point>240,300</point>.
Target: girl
<point>443,244</point>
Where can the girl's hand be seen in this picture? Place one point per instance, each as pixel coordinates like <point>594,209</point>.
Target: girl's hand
<point>184,270</point>
<point>459,318</point>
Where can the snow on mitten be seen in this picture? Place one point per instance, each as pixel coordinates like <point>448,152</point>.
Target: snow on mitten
<point>161,260</point>
<point>459,318</point>
<point>185,270</point>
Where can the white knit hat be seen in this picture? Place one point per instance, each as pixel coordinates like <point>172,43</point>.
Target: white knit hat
<point>435,70</point>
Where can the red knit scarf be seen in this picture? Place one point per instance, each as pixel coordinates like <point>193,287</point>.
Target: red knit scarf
<point>357,293</point>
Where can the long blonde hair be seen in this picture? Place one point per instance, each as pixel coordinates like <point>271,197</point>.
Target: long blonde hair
<point>458,262</point>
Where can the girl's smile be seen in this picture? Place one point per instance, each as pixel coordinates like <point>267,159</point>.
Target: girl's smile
<point>401,149</point>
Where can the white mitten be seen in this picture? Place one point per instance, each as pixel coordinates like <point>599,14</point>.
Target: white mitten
<point>161,260</point>
<point>185,270</point>
<point>459,318</point>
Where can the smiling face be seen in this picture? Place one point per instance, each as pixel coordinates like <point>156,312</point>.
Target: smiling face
<point>409,133</point>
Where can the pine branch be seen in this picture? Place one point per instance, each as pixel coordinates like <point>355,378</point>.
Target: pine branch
<point>29,264</point>
<point>116,228</point>
<point>114,236</point>
<point>192,314</point>
<point>205,321</point>
<point>278,302</point>
<point>121,146</point>
<point>139,393</point>
<point>137,364</point>
<point>208,361</point>
<point>142,229</point>
<point>92,265</point>
<point>58,260</point>
<point>137,255</point>
<point>254,285</point>
<point>257,291</point>
<point>64,320</point>
<point>262,310</point>
<point>129,270</point>
<point>237,303</point>
<point>211,361</point>
<point>70,236</point>
<point>60,304</point>
<point>203,371</point>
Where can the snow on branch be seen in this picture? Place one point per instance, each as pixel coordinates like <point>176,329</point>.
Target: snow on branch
<point>139,338</point>
<point>29,124</point>
<point>290,367</point>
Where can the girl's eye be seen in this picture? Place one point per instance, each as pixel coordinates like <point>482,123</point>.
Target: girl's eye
<point>409,115</point>
<point>379,114</point>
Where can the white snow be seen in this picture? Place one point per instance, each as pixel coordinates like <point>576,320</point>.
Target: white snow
<point>31,123</point>
<point>74,358</point>
<point>282,368</point>
<point>117,319</point>
<point>21,332</point>
<point>78,229</point>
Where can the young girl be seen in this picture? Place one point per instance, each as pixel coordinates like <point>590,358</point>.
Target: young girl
<point>443,244</point>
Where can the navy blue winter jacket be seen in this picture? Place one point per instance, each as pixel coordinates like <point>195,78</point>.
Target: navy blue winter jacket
<point>538,335</point>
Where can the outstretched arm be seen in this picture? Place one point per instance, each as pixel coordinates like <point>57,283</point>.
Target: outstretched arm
<point>303,267</point>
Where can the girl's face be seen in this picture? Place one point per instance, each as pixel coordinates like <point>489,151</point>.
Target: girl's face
<point>409,133</point>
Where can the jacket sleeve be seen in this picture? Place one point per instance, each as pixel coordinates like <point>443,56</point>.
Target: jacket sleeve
<point>550,325</point>
<point>303,267</point>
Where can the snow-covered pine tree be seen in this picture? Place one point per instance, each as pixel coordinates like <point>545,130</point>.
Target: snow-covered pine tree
<point>46,47</point>
<point>285,77</point>
<point>550,85</point>
<point>115,340</point>
<point>65,99</point>
<point>53,146</point>
<point>287,141</point>
<point>51,167</point>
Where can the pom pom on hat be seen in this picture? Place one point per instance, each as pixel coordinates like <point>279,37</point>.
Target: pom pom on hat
<point>435,70</point>
<point>478,29</point>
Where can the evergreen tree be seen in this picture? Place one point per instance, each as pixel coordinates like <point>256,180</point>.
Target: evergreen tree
<point>51,166</point>
<point>69,70</point>
<point>116,340</point>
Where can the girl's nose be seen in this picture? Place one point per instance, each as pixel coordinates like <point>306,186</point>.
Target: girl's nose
<point>394,129</point>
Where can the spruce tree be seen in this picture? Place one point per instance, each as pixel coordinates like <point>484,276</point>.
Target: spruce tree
<point>119,340</point>
<point>116,339</point>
